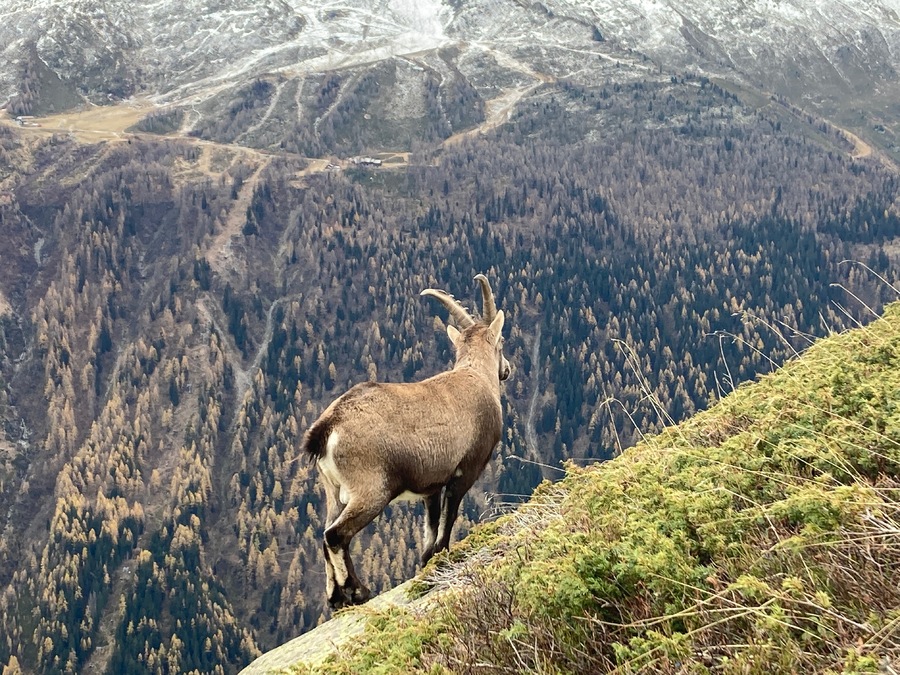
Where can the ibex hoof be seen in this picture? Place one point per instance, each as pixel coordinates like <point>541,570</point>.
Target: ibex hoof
<point>360,595</point>
<point>339,599</point>
<point>347,596</point>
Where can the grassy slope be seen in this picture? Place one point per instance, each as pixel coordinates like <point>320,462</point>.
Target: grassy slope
<point>760,536</point>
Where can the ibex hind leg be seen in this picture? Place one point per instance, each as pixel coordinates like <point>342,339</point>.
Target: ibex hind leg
<point>355,516</point>
<point>333,508</point>
<point>337,595</point>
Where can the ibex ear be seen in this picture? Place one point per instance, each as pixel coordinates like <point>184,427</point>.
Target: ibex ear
<point>497,327</point>
<point>454,334</point>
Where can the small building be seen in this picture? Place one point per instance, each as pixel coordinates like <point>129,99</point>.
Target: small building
<point>365,161</point>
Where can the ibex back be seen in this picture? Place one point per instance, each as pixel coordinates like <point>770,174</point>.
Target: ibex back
<point>427,440</point>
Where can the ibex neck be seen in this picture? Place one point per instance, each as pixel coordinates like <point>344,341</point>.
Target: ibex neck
<point>484,367</point>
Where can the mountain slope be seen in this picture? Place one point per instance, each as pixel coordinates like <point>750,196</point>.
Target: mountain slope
<point>762,535</point>
<point>836,59</point>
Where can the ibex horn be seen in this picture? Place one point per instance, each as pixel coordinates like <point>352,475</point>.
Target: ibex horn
<point>487,298</point>
<point>457,311</point>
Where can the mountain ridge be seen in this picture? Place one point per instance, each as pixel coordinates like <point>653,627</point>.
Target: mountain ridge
<point>844,58</point>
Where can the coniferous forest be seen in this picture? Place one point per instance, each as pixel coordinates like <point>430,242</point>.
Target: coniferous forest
<point>177,310</point>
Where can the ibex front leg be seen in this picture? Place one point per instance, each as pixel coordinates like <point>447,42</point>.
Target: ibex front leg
<point>432,522</point>
<point>453,495</point>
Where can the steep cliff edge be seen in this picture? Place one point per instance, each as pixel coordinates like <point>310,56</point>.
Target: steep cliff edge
<point>314,648</point>
<point>762,535</point>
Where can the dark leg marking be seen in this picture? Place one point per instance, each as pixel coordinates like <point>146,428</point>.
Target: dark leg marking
<point>432,523</point>
<point>453,496</point>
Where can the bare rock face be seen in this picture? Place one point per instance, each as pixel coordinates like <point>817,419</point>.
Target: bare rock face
<point>315,646</point>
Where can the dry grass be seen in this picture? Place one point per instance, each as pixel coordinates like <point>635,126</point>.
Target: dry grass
<point>94,124</point>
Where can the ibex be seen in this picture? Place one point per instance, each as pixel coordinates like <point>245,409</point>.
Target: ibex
<point>429,440</point>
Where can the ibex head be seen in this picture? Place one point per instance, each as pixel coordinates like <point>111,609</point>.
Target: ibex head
<point>475,340</point>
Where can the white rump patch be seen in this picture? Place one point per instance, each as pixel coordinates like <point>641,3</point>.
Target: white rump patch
<point>329,469</point>
<point>333,439</point>
<point>326,464</point>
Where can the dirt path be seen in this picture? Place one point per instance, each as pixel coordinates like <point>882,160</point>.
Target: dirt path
<point>265,118</point>
<point>314,166</point>
<point>497,111</point>
<point>219,252</point>
<point>508,61</point>
<point>531,438</point>
<point>204,162</point>
<point>860,147</point>
<point>110,124</point>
